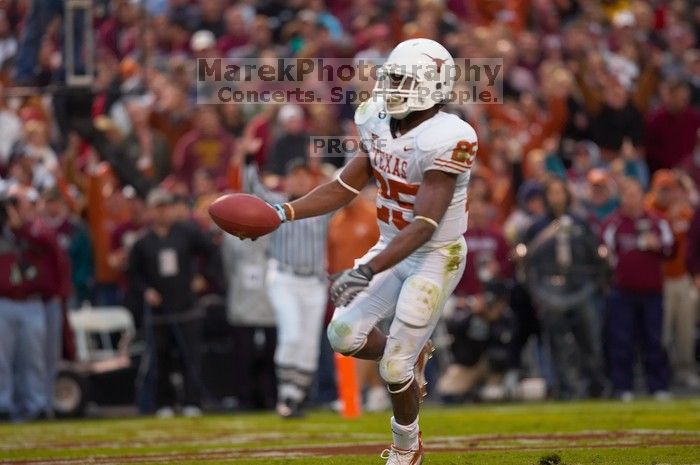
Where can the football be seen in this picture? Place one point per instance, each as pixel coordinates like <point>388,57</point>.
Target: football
<point>244,215</point>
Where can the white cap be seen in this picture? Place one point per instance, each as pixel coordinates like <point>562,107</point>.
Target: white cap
<point>202,40</point>
<point>624,18</point>
<point>289,112</point>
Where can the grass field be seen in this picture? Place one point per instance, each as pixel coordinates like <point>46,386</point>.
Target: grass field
<point>638,433</point>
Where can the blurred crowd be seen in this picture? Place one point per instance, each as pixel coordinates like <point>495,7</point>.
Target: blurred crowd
<point>584,228</point>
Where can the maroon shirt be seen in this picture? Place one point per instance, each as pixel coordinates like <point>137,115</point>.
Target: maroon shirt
<point>229,41</point>
<point>669,137</point>
<point>483,245</point>
<point>195,151</point>
<point>636,269</point>
<point>43,252</point>
<point>693,258</point>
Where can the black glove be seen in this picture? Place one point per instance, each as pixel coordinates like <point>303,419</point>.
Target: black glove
<point>349,283</point>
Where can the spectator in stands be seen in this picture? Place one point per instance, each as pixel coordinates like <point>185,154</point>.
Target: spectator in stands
<point>667,199</point>
<point>586,157</point>
<point>144,147</point>
<point>41,13</point>
<point>671,130</point>
<point>117,36</point>
<point>237,30</point>
<point>8,42</point>
<point>250,312</point>
<point>600,200</point>
<point>32,161</point>
<point>564,273</point>
<point>161,268</point>
<point>614,118</point>
<point>487,251</point>
<point>211,17</point>
<point>10,130</point>
<point>203,45</point>
<point>74,238</point>
<point>172,113</point>
<point>207,147</point>
<point>122,239</point>
<point>56,299</point>
<point>636,240</point>
<point>293,141</point>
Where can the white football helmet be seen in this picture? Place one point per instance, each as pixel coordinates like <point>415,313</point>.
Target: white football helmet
<point>418,75</point>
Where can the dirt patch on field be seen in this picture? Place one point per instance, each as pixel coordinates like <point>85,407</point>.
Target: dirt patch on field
<point>514,442</point>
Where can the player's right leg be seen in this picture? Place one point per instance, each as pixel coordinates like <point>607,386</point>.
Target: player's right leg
<point>352,330</point>
<point>429,278</point>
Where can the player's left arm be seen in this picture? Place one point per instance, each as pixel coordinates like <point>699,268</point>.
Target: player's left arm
<point>432,200</point>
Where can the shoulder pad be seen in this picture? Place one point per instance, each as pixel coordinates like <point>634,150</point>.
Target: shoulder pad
<point>368,109</point>
<point>446,134</point>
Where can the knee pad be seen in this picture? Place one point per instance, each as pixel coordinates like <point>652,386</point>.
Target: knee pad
<point>342,338</point>
<point>395,370</point>
<point>418,302</point>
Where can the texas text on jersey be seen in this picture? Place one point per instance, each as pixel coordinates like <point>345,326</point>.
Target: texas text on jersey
<point>443,142</point>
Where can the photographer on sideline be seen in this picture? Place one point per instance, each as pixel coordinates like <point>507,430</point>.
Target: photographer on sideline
<point>28,274</point>
<point>482,332</point>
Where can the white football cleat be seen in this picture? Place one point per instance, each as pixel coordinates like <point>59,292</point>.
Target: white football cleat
<point>396,456</point>
<point>419,370</point>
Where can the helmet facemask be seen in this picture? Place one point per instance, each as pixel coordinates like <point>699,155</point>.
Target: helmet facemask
<point>400,92</point>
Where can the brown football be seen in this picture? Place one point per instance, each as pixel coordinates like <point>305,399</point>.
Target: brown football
<point>244,215</point>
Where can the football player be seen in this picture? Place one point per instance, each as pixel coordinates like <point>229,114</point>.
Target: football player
<point>420,158</point>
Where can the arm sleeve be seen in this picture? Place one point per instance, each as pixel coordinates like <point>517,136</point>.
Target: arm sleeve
<point>455,159</point>
<point>451,149</point>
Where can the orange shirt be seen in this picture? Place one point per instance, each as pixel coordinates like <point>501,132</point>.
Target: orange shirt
<point>675,267</point>
<point>679,219</point>
<point>351,233</point>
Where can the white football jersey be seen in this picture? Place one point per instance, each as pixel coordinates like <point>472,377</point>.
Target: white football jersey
<point>443,142</point>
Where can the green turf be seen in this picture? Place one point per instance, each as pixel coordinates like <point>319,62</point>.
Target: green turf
<point>644,433</point>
